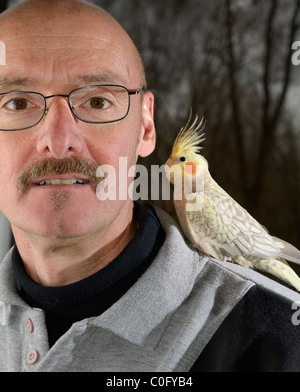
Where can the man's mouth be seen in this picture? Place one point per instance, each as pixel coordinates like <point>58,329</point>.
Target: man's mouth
<point>69,181</point>
<point>75,171</point>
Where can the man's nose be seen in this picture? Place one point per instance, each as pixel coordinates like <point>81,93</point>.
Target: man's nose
<point>60,136</point>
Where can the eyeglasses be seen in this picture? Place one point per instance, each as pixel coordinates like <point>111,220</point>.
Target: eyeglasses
<point>97,104</point>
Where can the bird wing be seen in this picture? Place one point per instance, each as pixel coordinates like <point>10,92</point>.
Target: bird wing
<point>223,226</point>
<point>288,251</point>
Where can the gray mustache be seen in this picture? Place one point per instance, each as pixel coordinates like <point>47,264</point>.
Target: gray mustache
<point>50,166</point>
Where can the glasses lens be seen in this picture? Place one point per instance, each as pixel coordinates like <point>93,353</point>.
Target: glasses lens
<point>100,104</point>
<point>19,110</point>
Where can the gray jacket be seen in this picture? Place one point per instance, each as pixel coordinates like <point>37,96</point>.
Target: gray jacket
<point>161,324</point>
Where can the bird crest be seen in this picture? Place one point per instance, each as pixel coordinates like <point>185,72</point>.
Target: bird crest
<point>190,137</point>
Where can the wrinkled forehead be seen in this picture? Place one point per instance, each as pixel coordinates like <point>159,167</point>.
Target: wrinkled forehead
<point>63,48</point>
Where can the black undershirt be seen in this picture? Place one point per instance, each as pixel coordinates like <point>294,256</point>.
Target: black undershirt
<point>90,297</point>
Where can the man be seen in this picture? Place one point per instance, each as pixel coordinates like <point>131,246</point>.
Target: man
<point>107,285</point>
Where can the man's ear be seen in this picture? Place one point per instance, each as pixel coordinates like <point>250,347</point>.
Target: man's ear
<point>148,134</point>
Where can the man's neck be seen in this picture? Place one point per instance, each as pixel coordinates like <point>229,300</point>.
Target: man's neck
<point>59,262</point>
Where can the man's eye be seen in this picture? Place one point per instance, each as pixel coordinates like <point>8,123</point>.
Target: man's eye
<point>18,104</point>
<point>97,103</point>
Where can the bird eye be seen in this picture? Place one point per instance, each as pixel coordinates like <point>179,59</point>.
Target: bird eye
<point>182,159</point>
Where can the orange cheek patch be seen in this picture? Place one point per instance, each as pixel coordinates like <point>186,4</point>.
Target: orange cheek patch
<point>190,168</point>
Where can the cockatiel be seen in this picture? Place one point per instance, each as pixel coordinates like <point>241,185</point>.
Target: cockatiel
<point>214,222</point>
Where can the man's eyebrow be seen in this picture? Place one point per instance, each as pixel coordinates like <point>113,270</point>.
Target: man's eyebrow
<point>7,81</point>
<point>100,78</point>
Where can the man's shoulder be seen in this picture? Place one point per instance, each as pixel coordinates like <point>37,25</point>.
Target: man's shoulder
<point>258,279</point>
<point>261,334</point>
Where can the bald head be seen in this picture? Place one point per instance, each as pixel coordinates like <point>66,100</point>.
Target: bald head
<point>70,18</point>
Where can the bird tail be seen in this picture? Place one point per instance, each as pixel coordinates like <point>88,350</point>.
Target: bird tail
<point>288,251</point>
<point>280,269</point>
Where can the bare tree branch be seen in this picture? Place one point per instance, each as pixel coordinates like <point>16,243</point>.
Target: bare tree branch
<point>267,65</point>
<point>288,66</point>
<point>270,120</point>
<point>234,96</point>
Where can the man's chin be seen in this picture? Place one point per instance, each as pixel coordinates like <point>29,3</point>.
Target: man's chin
<point>59,213</point>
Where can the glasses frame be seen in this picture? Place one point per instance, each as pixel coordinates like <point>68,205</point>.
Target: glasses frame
<point>45,109</point>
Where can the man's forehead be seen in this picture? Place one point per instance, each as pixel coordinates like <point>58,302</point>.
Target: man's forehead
<point>84,61</point>
<point>58,40</point>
